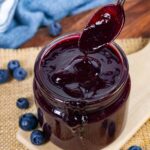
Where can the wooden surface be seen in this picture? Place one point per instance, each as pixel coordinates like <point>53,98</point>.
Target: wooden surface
<point>137,23</point>
<point>138,105</point>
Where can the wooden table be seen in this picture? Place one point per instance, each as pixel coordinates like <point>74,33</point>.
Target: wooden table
<point>137,23</point>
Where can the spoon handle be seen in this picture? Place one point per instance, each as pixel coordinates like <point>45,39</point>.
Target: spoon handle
<point>121,2</point>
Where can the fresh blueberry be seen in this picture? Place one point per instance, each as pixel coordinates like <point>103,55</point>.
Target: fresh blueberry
<point>13,64</point>
<point>135,148</point>
<point>22,103</point>
<point>55,29</point>
<point>4,76</point>
<point>19,74</point>
<point>38,137</point>
<point>28,122</point>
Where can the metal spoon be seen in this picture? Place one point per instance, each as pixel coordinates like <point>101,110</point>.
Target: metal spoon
<point>121,2</point>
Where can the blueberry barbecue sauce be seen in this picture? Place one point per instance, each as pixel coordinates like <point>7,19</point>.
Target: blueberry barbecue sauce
<point>103,27</point>
<point>82,84</point>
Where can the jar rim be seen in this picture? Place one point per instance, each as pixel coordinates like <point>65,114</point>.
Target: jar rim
<point>61,99</point>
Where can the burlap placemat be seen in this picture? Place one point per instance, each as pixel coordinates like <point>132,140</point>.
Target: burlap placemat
<point>13,90</point>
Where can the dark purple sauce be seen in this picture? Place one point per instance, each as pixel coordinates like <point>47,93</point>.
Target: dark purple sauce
<point>72,75</point>
<point>103,27</point>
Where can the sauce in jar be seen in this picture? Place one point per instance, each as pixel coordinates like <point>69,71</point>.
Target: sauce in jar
<point>81,92</point>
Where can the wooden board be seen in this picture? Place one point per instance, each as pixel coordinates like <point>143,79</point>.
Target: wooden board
<point>139,105</point>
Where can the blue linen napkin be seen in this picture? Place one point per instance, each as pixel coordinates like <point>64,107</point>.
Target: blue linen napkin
<point>32,14</point>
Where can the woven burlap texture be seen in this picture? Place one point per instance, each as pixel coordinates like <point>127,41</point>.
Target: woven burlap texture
<point>13,90</point>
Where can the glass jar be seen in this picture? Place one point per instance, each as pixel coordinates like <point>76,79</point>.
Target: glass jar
<point>81,125</point>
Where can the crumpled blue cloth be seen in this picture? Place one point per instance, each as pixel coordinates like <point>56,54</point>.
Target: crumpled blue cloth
<point>32,14</point>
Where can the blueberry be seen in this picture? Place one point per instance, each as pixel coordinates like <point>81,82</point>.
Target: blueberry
<point>13,64</point>
<point>4,76</point>
<point>22,103</point>
<point>28,122</point>
<point>38,137</point>
<point>55,29</point>
<point>19,74</point>
<point>135,148</point>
